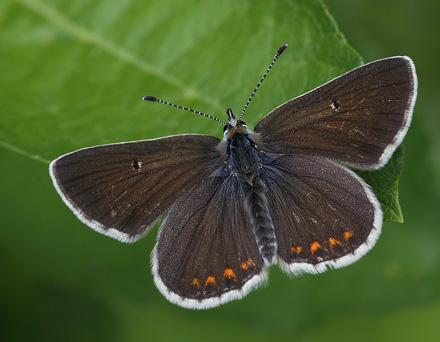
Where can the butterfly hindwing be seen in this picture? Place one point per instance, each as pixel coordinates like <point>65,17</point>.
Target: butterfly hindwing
<point>324,214</point>
<point>121,189</point>
<point>358,118</point>
<point>206,252</point>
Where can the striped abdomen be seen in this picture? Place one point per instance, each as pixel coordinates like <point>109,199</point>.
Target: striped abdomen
<point>264,231</point>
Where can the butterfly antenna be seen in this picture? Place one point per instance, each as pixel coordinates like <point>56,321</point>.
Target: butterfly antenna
<point>279,52</point>
<point>153,99</point>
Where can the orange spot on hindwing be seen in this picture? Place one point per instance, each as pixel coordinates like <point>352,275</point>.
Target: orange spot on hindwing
<point>314,246</point>
<point>196,282</point>
<point>334,242</point>
<point>210,280</point>
<point>229,273</point>
<point>248,263</point>
<point>347,235</point>
<point>295,250</point>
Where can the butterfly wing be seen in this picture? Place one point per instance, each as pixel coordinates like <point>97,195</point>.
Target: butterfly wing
<point>323,214</point>
<point>206,252</point>
<point>358,118</point>
<point>120,190</point>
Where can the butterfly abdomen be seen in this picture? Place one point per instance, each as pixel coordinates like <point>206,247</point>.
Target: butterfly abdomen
<point>257,207</point>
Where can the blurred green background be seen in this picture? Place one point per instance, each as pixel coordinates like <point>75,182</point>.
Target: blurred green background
<point>72,74</point>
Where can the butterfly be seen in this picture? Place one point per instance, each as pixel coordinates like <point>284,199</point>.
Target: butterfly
<point>280,194</point>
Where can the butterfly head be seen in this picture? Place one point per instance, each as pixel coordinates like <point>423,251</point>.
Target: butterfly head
<point>234,126</point>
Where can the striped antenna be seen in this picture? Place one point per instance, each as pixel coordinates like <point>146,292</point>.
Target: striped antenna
<point>279,52</point>
<point>153,99</point>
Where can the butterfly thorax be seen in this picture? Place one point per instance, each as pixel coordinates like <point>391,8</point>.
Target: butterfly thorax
<point>243,158</point>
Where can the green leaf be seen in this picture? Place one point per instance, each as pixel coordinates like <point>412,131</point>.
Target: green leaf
<point>73,74</point>
<point>384,183</point>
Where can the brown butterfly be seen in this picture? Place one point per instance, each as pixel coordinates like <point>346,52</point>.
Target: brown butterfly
<point>280,194</point>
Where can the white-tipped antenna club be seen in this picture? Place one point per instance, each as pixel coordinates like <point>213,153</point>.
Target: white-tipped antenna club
<point>279,52</point>
<point>154,99</point>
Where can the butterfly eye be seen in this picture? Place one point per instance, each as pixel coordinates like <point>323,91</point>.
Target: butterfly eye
<point>226,131</point>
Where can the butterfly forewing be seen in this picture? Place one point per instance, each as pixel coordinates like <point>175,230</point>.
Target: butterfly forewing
<point>358,118</point>
<point>323,213</point>
<point>206,252</point>
<point>121,189</point>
